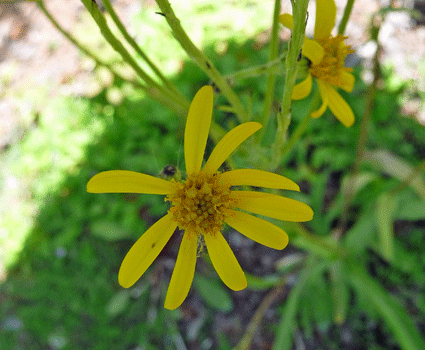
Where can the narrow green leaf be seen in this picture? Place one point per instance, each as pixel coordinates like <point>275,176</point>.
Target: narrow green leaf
<point>118,303</point>
<point>361,235</point>
<point>396,167</point>
<point>109,230</point>
<point>214,293</point>
<point>409,207</point>
<point>386,204</point>
<point>261,283</point>
<point>286,328</point>
<point>340,292</point>
<point>403,328</point>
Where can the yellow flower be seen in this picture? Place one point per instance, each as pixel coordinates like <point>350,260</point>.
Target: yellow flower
<point>327,57</point>
<point>202,203</point>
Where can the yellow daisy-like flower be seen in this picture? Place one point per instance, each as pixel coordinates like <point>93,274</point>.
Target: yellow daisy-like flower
<point>327,58</point>
<point>202,203</point>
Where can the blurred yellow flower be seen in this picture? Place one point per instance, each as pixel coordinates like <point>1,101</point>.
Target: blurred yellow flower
<point>327,57</point>
<point>202,203</point>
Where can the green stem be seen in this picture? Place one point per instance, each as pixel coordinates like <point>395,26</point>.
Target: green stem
<point>345,17</point>
<point>152,92</point>
<point>136,47</point>
<point>271,67</point>
<point>204,63</point>
<point>98,17</point>
<point>299,131</point>
<point>299,11</point>
<point>271,79</point>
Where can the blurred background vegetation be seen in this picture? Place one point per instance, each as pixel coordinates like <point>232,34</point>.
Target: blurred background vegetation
<point>61,248</point>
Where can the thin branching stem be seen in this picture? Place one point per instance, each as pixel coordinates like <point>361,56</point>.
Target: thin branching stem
<point>150,91</point>
<point>138,49</point>
<point>116,44</point>
<point>203,62</point>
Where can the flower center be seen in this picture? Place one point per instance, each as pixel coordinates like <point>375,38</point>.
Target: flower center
<point>201,203</point>
<point>333,60</point>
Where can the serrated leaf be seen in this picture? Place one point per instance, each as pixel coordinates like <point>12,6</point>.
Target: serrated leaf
<point>214,293</point>
<point>109,230</point>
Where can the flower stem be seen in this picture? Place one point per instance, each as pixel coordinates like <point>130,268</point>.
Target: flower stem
<point>204,63</point>
<point>299,10</point>
<point>271,78</point>
<point>345,17</point>
<point>136,47</point>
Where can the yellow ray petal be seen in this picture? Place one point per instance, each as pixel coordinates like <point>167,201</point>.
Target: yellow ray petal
<point>258,178</point>
<point>183,272</point>
<point>197,128</point>
<point>224,262</point>
<point>339,108</point>
<point>325,18</point>
<point>325,98</point>
<point>123,181</point>
<point>258,230</point>
<point>346,81</point>
<point>228,144</point>
<point>273,206</point>
<point>145,250</point>
<point>287,20</point>
<point>302,90</point>
<point>313,51</point>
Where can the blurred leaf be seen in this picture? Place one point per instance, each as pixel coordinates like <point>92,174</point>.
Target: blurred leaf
<point>409,208</point>
<point>340,293</point>
<point>353,184</point>
<point>403,328</point>
<point>396,167</point>
<point>118,303</point>
<point>289,262</point>
<point>261,283</point>
<point>286,327</point>
<point>109,230</point>
<point>386,204</point>
<point>214,293</point>
<point>362,234</point>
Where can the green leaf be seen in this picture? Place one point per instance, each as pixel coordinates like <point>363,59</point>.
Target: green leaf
<point>410,208</point>
<point>109,230</point>
<point>396,167</point>
<point>340,292</point>
<point>386,204</point>
<point>214,293</point>
<point>261,283</point>
<point>403,328</point>
<point>286,328</point>
<point>361,235</point>
<point>118,303</point>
